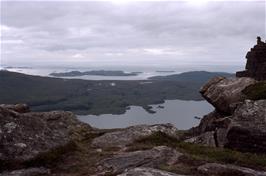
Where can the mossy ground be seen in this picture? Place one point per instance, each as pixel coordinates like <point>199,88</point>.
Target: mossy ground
<point>256,91</point>
<point>76,158</point>
<point>198,154</point>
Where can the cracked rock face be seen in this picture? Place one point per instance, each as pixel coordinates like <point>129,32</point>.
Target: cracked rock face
<point>23,136</point>
<point>224,93</point>
<point>148,158</point>
<point>247,132</point>
<point>128,135</point>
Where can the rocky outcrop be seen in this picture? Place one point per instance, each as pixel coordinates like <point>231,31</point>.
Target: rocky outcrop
<point>126,136</point>
<point>24,135</point>
<point>147,158</point>
<point>225,93</point>
<point>256,62</point>
<point>214,169</point>
<point>145,171</point>
<point>236,123</point>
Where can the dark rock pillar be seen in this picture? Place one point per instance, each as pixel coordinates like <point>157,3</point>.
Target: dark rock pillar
<point>256,62</point>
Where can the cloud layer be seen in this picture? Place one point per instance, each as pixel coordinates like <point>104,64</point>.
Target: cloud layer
<point>136,33</point>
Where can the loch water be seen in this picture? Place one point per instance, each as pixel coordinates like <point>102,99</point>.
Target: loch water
<point>182,114</point>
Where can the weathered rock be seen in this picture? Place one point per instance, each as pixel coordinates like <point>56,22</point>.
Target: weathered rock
<point>145,171</point>
<point>128,135</point>
<point>23,136</point>
<point>206,139</point>
<point>27,172</point>
<point>211,169</point>
<point>247,132</point>
<point>256,62</point>
<point>225,93</point>
<point>154,157</point>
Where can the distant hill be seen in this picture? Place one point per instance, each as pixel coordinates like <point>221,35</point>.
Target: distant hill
<point>98,97</point>
<point>193,76</point>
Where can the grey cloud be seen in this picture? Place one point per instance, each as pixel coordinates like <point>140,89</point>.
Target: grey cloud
<point>208,31</point>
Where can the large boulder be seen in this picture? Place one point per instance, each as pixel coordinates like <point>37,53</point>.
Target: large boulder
<point>124,137</point>
<point>225,93</point>
<point>25,136</point>
<point>154,158</point>
<point>247,132</point>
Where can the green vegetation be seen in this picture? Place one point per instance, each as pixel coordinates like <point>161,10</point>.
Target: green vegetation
<point>53,156</point>
<point>256,91</point>
<point>202,153</point>
<point>95,97</point>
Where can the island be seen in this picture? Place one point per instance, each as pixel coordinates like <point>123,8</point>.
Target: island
<point>95,73</point>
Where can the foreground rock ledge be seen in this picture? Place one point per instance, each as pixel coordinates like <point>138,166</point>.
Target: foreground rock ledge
<point>24,136</point>
<point>210,169</point>
<point>148,158</point>
<point>28,172</point>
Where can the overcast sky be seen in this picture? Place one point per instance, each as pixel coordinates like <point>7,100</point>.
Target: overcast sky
<point>132,33</point>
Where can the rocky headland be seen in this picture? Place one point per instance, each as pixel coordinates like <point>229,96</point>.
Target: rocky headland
<point>230,141</point>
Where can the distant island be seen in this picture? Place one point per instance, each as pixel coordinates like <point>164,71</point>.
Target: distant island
<point>95,73</point>
<point>165,71</point>
<point>10,67</point>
